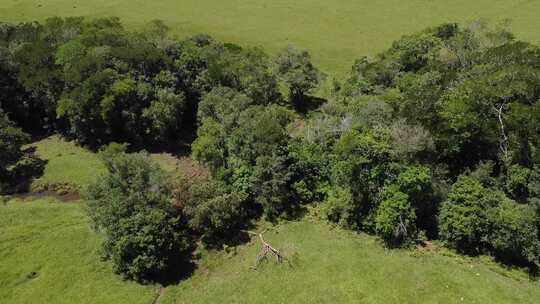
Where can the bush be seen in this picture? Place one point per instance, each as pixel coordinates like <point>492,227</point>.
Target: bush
<point>514,234</point>
<point>214,213</point>
<point>274,187</point>
<point>339,208</point>
<point>395,219</point>
<point>144,236</point>
<point>463,221</point>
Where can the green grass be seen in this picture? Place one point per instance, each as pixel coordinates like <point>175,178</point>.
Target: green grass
<point>329,266</point>
<point>334,266</point>
<point>336,32</point>
<point>55,241</point>
<point>67,163</point>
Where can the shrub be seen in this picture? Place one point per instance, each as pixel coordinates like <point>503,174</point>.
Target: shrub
<point>514,234</point>
<point>340,208</point>
<point>517,182</point>
<point>395,218</point>
<point>214,213</point>
<point>463,222</point>
<point>144,236</point>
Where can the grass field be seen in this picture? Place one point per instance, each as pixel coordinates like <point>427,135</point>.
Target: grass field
<point>333,266</point>
<point>329,266</point>
<point>54,240</point>
<point>68,163</point>
<point>336,32</point>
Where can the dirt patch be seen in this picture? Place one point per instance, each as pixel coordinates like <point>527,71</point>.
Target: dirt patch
<point>190,168</point>
<point>428,246</point>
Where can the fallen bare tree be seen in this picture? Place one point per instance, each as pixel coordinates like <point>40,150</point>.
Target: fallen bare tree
<point>266,251</point>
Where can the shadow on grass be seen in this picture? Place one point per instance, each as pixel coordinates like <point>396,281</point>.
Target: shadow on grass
<point>181,270</point>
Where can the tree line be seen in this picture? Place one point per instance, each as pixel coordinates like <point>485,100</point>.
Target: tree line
<point>434,138</point>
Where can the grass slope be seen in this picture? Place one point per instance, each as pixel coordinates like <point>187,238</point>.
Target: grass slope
<point>329,266</point>
<point>55,241</point>
<point>336,266</point>
<point>336,32</point>
<point>68,163</point>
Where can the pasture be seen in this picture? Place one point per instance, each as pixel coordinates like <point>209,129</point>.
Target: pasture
<point>49,254</point>
<point>335,32</point>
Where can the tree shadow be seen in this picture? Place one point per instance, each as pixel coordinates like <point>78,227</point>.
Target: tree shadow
<point>305,104</point>
<point>534,272</point>
<point>24,172</point>
<point>180,270</point>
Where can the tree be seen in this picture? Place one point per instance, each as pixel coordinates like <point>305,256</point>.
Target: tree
<point>514,234</point>
<point>145,237</point>
<point>17,165</point>
<point>395,218</point>
<point>295,69</point>
<point>463,219</point>
<point>340,208</point>
<point>214,213</point>
<point>361,163</point>
<point>273,186</point>
<point>416,183</point>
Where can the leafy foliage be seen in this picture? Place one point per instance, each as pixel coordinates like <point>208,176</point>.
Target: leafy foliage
<point>395,219</point>
<point>17,166</point>
<point>214,213</point>
<point>145,237</point>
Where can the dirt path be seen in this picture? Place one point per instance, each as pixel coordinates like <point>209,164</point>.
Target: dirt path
<point>159,294</point>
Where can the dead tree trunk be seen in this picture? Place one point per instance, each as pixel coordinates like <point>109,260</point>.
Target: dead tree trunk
<point>266,251</point>
<point>503,143</point>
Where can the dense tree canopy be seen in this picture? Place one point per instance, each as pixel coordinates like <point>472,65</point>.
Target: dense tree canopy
<point>437,136</point>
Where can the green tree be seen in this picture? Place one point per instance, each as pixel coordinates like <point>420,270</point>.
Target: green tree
<point>295,69</point>
<point>17,165</point>
<point>214,213</point>
<point>514,234</point>
<point>145,237</point>
<point>463,219</point>
<point>395,218</point>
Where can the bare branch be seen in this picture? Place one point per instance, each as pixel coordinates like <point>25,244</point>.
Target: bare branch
<point>266,250</point>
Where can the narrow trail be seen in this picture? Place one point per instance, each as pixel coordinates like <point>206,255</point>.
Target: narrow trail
<point>159,295</point>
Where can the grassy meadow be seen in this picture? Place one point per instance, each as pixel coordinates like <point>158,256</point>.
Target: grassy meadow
<point>72,165</point>
<point>49,254</point>
<point>335,32</point>
<point>67,163</point>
